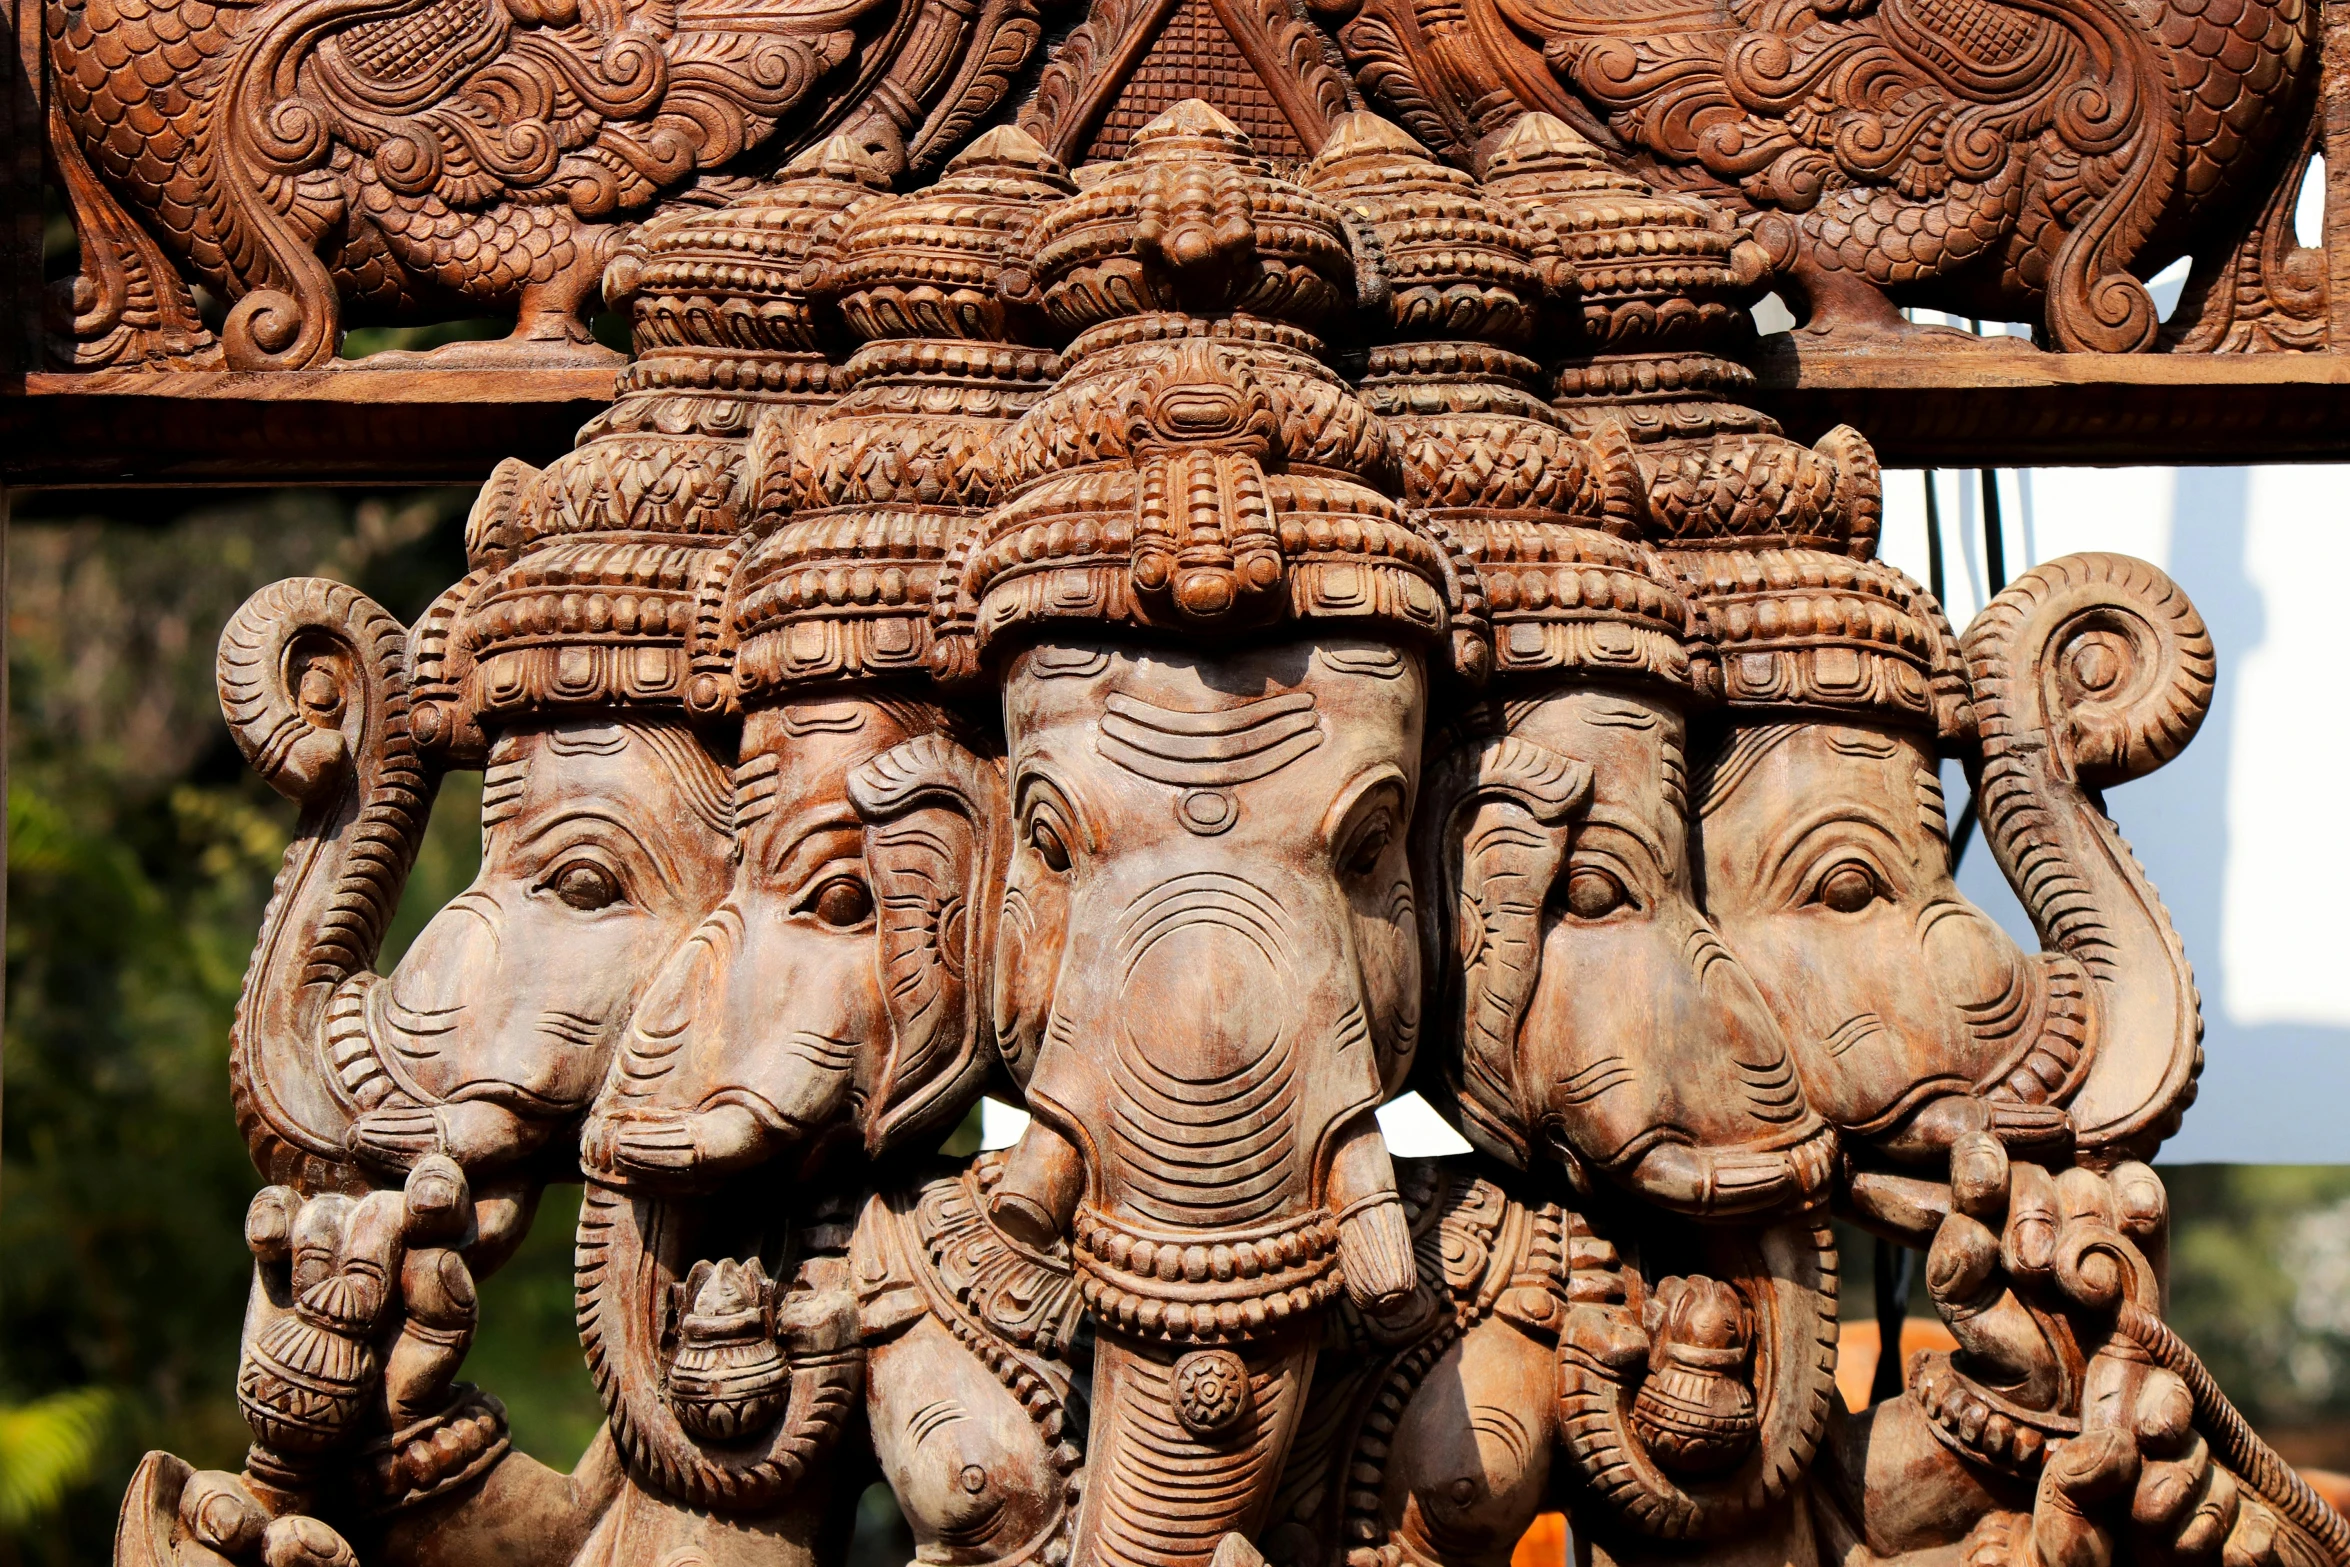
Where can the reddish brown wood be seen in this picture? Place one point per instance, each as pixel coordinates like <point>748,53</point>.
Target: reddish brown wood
<point>452,427</point>
<point>1202,647</point>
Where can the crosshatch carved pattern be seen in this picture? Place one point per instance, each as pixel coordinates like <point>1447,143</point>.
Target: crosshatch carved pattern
<point>1199,600</point>
<point>1194,57</point>
<point>314,164</point>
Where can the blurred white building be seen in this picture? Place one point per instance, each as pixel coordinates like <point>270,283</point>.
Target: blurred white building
<point>2242,834</point>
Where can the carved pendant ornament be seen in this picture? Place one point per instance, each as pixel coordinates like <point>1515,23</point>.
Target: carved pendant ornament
<point>1198,643</point>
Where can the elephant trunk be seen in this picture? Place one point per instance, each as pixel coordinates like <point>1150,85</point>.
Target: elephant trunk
<point>313,683</point>
<point>2090,671</point>
<point>1691,1413</point>
<point>1206,1345</point>
<point>722,1391</point>
<point>1191,1440</point>
<point>1228,1181</point>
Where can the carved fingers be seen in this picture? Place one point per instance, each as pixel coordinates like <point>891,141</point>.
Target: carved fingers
<point>2023,1268</point>
<point>220,1513</point>
<point>679,1143</point>
<point>1726,1183</point>
<point>363,1311</point>
<point>2141,1481</point>
<point>475,1133</point>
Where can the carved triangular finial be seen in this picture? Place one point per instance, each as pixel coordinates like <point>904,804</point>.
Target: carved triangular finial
<point>1234,1550</point>
<point>1539,143</point>
<point>1005,147</point>
<point>1362,134</point>
<point>839,158</point>
<point>1195,118</point>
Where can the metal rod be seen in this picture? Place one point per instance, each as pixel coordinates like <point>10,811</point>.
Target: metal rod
<point>1896,1267</point>
<point>1994,534</point>
<point>1934,542</point>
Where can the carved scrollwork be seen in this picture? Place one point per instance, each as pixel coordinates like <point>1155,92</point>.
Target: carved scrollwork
<point>1199,642</point>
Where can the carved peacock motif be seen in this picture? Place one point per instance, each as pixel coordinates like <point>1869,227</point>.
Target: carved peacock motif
<point>2011,159</point>
<point>325,162</point>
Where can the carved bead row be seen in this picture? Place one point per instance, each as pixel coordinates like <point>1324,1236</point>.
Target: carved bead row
<point>1186,1291</point>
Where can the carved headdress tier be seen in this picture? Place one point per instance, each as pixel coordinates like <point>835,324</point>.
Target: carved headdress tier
<point>718,302</point>
<point>1797,622</point>
<point>859,507</point>
<point>594,578</point>
<point>1199,470</point>
<point>1538,507</point>
<point>1651,273</point>
<point>1194,221</point>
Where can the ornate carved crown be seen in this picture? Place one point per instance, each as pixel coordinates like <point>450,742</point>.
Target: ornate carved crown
<point>1199,470</point>
<point>591,577</point>
<point>1774,540</point>
<point>1543,511</point>
<point>859,507</point>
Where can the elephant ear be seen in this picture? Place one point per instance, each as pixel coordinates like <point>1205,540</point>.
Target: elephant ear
<point>937,837</point>
<point>1495,832</point>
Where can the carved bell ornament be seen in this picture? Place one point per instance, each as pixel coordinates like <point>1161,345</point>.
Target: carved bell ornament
<point>1199,631</point>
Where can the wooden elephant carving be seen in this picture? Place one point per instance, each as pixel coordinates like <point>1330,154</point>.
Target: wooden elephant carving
<point>1200,637</point>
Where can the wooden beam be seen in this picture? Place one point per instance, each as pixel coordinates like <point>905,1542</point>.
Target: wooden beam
<point>1922,407</point>
<point>2009,408</point>
<point>305,427</point>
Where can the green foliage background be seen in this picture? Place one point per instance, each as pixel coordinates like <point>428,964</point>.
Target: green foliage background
<point>141,852</point>
<point>140,855</point>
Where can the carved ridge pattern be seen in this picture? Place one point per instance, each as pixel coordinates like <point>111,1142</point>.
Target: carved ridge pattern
<point>364,800</point>
<point>1203,646</point>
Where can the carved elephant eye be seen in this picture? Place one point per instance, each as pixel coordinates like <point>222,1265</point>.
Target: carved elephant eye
<point>1363,854</point>
<point>585,885</point>
<point>1048,845</point>
<point>843,902</point>
<point>1592,893</point>
<point>1848,889</point>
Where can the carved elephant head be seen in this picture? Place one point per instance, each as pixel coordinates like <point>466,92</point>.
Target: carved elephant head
<point>831,990</point>
<point>1600,1018</point>
<point>1826,835</point>
<point>603,842</point>
<point>835,996</point>
<point>1207,973</point>
<point>1601,1021</point>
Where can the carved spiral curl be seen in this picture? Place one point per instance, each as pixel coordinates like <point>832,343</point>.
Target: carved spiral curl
<point>270,329</point>
<point>2113,315</point>
<point>2103,652</point>
<point>2087,672</point>
<point>313,684</point>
